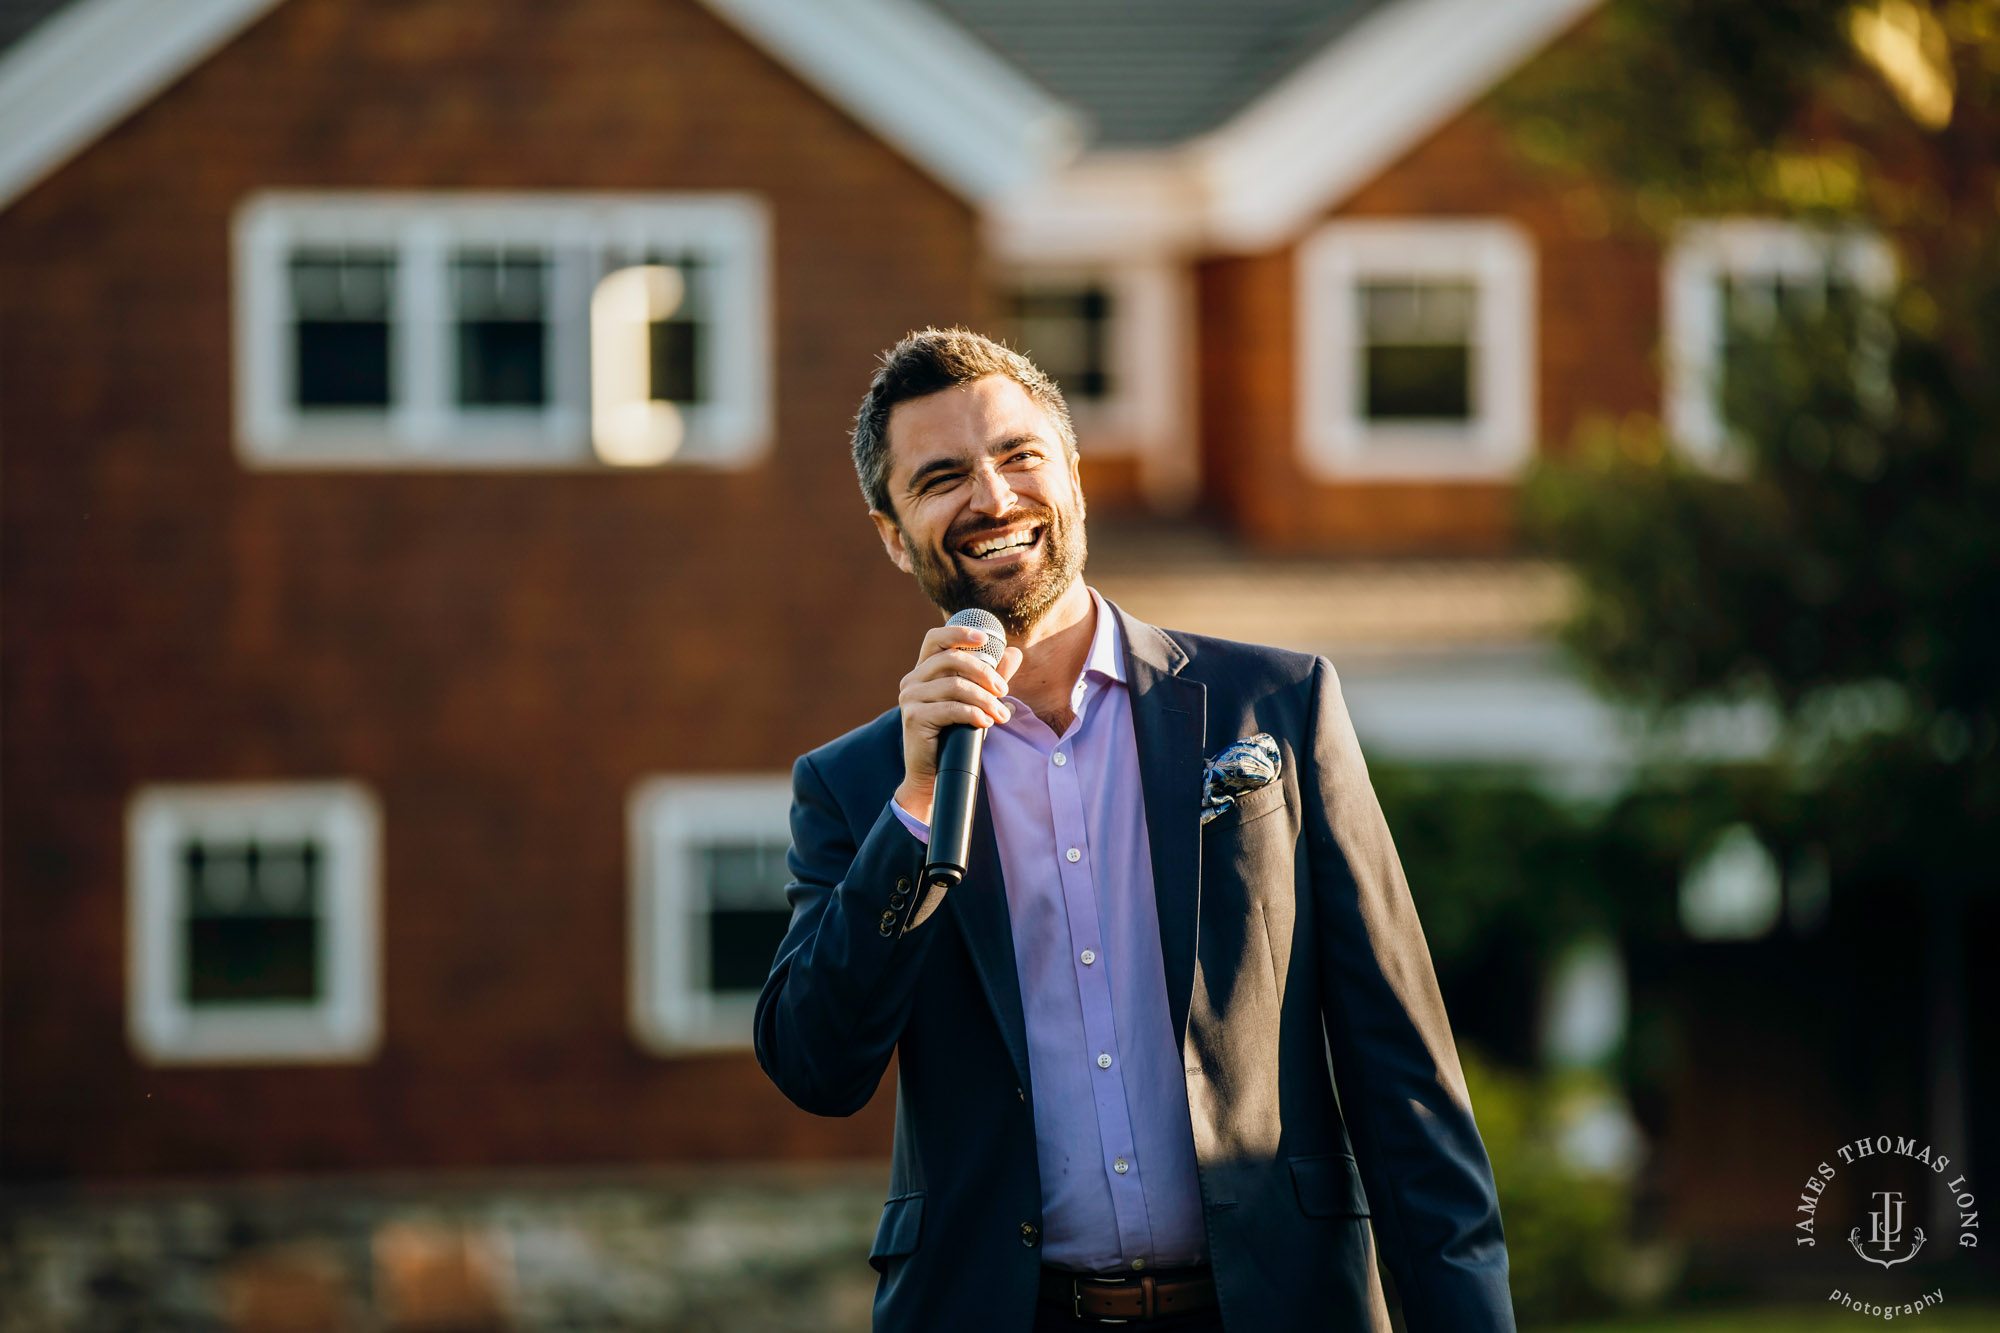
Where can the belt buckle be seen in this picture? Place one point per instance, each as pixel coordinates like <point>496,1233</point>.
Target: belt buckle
<point>1076,1299</point>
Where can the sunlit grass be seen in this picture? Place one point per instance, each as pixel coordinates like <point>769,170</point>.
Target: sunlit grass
<point>1796,1319</point>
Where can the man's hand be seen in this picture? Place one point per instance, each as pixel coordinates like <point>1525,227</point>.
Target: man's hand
<point>949,686</point>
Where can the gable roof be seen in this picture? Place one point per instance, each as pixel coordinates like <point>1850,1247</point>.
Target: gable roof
<point>955,107</point>
<point>1150,73</point>
<point>1222,123</point>
<point>1394,75</point>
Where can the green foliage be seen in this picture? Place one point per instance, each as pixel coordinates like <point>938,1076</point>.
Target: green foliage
<point>1848,544</point>
<point>1844,561</point>
<point>1565,1227</point>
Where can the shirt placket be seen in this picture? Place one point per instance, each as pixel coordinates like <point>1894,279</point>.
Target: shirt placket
<point>1077,875</point>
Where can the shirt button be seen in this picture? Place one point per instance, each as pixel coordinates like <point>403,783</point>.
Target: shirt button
<point>1061,759</point>
<point>1073,856</point>
<point>1104,1062</point>
<point>1121,1166</point>
<point>1089,956</point>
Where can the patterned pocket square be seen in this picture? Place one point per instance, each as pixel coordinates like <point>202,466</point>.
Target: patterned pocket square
<point>1240,769</point>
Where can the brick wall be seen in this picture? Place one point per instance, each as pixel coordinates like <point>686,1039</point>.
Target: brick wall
<point>500,656</point>
<point>1598,316</point>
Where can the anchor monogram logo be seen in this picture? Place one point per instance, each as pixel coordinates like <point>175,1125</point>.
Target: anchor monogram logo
<point>1885,1232</point>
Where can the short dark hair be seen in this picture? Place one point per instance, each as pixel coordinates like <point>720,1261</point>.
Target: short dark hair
<point>929,362</point>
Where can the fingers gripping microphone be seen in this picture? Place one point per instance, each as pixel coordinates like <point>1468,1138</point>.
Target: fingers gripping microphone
<point>958,771</point>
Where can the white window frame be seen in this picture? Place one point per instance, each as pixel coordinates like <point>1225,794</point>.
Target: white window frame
<point>1702,254</point>
<point>669,818</point>
<point>424,427</point>
<point>344,1025</point>
<point>1338,443</point>
<point>1149,412</point>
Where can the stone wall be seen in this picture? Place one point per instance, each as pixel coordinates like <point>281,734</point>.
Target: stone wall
<point>747,1250</point>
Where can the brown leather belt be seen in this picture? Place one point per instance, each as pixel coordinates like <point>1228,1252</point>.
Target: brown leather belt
<point>1139,1298</point>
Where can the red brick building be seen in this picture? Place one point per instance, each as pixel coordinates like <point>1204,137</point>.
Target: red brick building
<point>421,459</point>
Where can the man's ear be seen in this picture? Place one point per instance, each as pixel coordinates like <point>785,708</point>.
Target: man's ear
<point>891,533</point>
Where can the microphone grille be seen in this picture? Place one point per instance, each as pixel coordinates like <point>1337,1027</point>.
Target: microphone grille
<point>989,624</point>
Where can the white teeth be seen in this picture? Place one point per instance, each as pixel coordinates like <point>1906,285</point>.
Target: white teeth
<point>1011,542</point>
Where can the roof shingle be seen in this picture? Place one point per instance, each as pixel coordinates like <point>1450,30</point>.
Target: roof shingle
<point>1156,72</point>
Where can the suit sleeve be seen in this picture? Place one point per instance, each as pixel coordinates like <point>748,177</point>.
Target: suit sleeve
<point>1430,1186</point>
<point>841,989</point>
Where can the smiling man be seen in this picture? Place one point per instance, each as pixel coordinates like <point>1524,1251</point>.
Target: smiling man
<point>1172,1054</point>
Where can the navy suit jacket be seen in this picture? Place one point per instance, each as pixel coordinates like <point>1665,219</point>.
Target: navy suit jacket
<point>1328,1108</point>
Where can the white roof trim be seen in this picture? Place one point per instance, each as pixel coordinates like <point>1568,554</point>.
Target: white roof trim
<point>905,71</point>
<point>1361,104</point>
<point>91,65</point>
<point>1263,178</point>
<point>923,83</point>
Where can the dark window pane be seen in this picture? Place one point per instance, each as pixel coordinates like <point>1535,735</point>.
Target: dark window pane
<point>341,302</point>
<point>343,364</point>
<point>1417,338</point>
<point>1418,383</point>
<point>747,911</point>
<point>252,923</point>
<point>742,945</point>
<point>252,958</point>
<point>501,363</point>
<point>501,299</point>
<point>1758,310</point>
<point>1067,332</point>
<point>675,345</point>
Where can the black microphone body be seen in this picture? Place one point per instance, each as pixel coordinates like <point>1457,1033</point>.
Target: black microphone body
<point>959,748</point>
<point>952,802</point>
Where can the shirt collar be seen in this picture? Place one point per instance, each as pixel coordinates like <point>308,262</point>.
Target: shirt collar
<point>1107,645</point>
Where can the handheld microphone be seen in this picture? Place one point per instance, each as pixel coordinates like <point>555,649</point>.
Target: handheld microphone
<point>958,771</point>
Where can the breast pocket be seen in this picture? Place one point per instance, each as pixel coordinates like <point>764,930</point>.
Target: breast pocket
<point>896,1235</point>
<point>1251,806</point>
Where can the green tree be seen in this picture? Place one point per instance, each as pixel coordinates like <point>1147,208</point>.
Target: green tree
<point>1843,562</point>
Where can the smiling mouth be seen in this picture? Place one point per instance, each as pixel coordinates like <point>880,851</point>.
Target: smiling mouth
<point>998,546</point>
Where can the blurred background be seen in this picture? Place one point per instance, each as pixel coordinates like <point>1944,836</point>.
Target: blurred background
<point>427,537</point>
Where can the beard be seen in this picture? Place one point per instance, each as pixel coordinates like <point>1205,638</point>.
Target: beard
<point>1018,596</point>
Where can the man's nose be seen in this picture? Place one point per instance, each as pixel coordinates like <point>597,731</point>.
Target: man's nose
<point>990,492</point>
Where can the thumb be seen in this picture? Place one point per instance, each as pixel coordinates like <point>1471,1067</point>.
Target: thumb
<point>1010,662</point>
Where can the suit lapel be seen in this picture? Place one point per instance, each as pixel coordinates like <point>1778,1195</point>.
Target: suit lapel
<point>1168,714</point>
<point>980,904</point>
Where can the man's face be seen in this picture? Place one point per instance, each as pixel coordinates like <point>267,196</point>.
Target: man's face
<point>988,508</point>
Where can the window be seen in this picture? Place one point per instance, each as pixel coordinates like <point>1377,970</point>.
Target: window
<point>1066,330</point>
<point>1725,281</point>
<point>340,336</point>
<point>252,917</point>
<point>447,331</point>
<point>709,907</point>
<point>1118,339</point>
<point>1417,349</point>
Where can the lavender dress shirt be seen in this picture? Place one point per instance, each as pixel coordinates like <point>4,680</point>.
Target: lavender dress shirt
<point>1112,1133</point>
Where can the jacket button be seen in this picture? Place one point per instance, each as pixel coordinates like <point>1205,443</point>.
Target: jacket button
<point>903,885</point>
<point>896,900</point>
<point>887,925</point>
<point>1030,1233</point>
